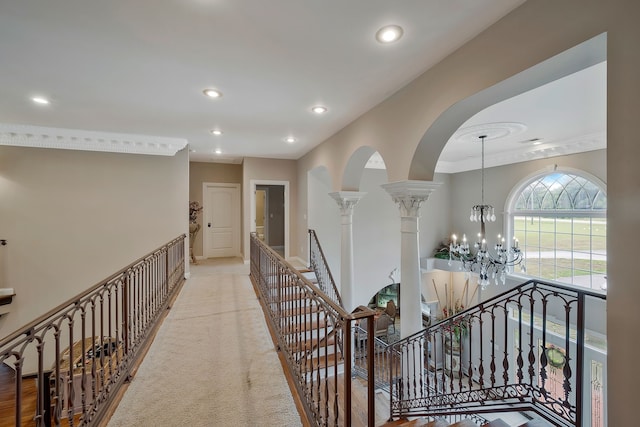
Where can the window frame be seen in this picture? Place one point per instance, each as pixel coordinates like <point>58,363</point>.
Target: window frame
<point>510,213</point>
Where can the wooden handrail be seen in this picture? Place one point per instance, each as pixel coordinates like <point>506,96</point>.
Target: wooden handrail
<point>314,334</point>
<point>81,295</point>
<point>81,352</point>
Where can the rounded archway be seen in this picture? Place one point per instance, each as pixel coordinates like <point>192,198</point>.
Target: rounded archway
<point>431,144</point>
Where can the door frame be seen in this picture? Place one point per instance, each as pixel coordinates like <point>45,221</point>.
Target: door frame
<point>265,212</point>
<point>252,221</point>
<point>236,216</point>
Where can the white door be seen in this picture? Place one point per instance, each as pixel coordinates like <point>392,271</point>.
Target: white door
<point>221,220</point>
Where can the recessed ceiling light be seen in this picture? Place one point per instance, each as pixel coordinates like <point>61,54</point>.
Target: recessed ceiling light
<point>212,93</point>
<point>218,151</point>
<point>216,132</point>
<point>290,139</point>
<point>40,100</point>
<point>389,34</point>
<point>319,109</point>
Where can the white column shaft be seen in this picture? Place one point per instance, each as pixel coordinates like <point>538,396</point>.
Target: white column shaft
<point>409,196</point>
<point>410,307</point>
<point>346,201</point>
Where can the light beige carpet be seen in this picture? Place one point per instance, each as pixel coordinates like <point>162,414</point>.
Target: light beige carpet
<point>212,362</point>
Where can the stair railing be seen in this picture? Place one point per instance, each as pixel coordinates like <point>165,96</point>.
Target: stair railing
<point>80,353</point>
<point>314,335</point>
<point>382,355</point>
<point>523,350</point>
<point>320,267</point>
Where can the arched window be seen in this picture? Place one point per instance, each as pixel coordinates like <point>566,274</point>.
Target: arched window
<point>560,221</point>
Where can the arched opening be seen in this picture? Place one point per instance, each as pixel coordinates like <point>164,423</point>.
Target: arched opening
<point>428,151</point>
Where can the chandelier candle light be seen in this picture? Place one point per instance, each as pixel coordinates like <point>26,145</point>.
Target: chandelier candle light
<point>483,262</point>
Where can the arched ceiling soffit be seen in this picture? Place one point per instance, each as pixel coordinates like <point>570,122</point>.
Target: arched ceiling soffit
<point>428,151</point>
<point>352,173</point>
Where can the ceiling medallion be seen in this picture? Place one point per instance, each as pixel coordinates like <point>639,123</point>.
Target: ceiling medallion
<point>489,131</point>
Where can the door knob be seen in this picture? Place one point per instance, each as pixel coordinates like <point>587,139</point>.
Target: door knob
<point>209,225</point>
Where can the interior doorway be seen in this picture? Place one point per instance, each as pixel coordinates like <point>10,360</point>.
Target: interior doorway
<point>270,208</point>
<point>221,220</point>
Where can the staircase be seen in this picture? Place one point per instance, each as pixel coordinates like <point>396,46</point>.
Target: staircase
<point>313,332</point>
<point>421,422</point>
<point>521,360</point>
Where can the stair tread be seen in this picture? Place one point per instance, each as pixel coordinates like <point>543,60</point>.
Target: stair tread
<point>498,422</point>
<point>464,423</point>
<point>418,422</point>
<point>300,311</point>
<point>311,344</point>
<point>536,423</point>
<point>322,361</point>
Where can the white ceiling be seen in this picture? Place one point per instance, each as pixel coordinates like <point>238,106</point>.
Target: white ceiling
<point>566,116</point>
<point>139,68</point>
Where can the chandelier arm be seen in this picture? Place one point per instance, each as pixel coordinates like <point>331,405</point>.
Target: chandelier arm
<point>485,263</point>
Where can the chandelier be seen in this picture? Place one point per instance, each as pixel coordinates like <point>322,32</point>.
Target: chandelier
<point>483,262</point>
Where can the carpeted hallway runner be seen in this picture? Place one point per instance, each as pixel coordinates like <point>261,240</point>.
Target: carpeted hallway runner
<point>212,362</point>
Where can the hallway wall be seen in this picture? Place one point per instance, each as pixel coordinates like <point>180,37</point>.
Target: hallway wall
<point>73,218</point>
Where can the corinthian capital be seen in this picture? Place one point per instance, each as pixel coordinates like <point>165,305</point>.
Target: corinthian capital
<point>409,195</point>
<point>346,200</point>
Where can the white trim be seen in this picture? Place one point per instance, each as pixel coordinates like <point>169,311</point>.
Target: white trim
<point>75,139</point>
<point>580,144</point>
<point>252,207</point>
<point>236,216</point>
<point>187,275</point>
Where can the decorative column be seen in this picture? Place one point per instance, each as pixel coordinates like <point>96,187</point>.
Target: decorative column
<point>346,201</point>
<point>409,195</point>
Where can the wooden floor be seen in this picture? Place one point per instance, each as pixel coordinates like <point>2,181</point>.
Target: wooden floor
<point>359,407</point>
<point>8,398</point>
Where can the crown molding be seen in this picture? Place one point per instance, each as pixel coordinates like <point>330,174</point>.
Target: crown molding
<point>590,142</point>
<point>74,139</point>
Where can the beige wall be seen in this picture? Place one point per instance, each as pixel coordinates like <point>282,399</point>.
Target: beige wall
<point>265,170</point>
<point>73,218</point>
<point>200,173</point>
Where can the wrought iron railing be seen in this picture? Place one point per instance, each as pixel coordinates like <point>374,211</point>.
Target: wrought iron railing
<point>383,357</point>
<point>314,334</point>
<point>523,350</point>
<point>320,267</point>
<point>80,353</point>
